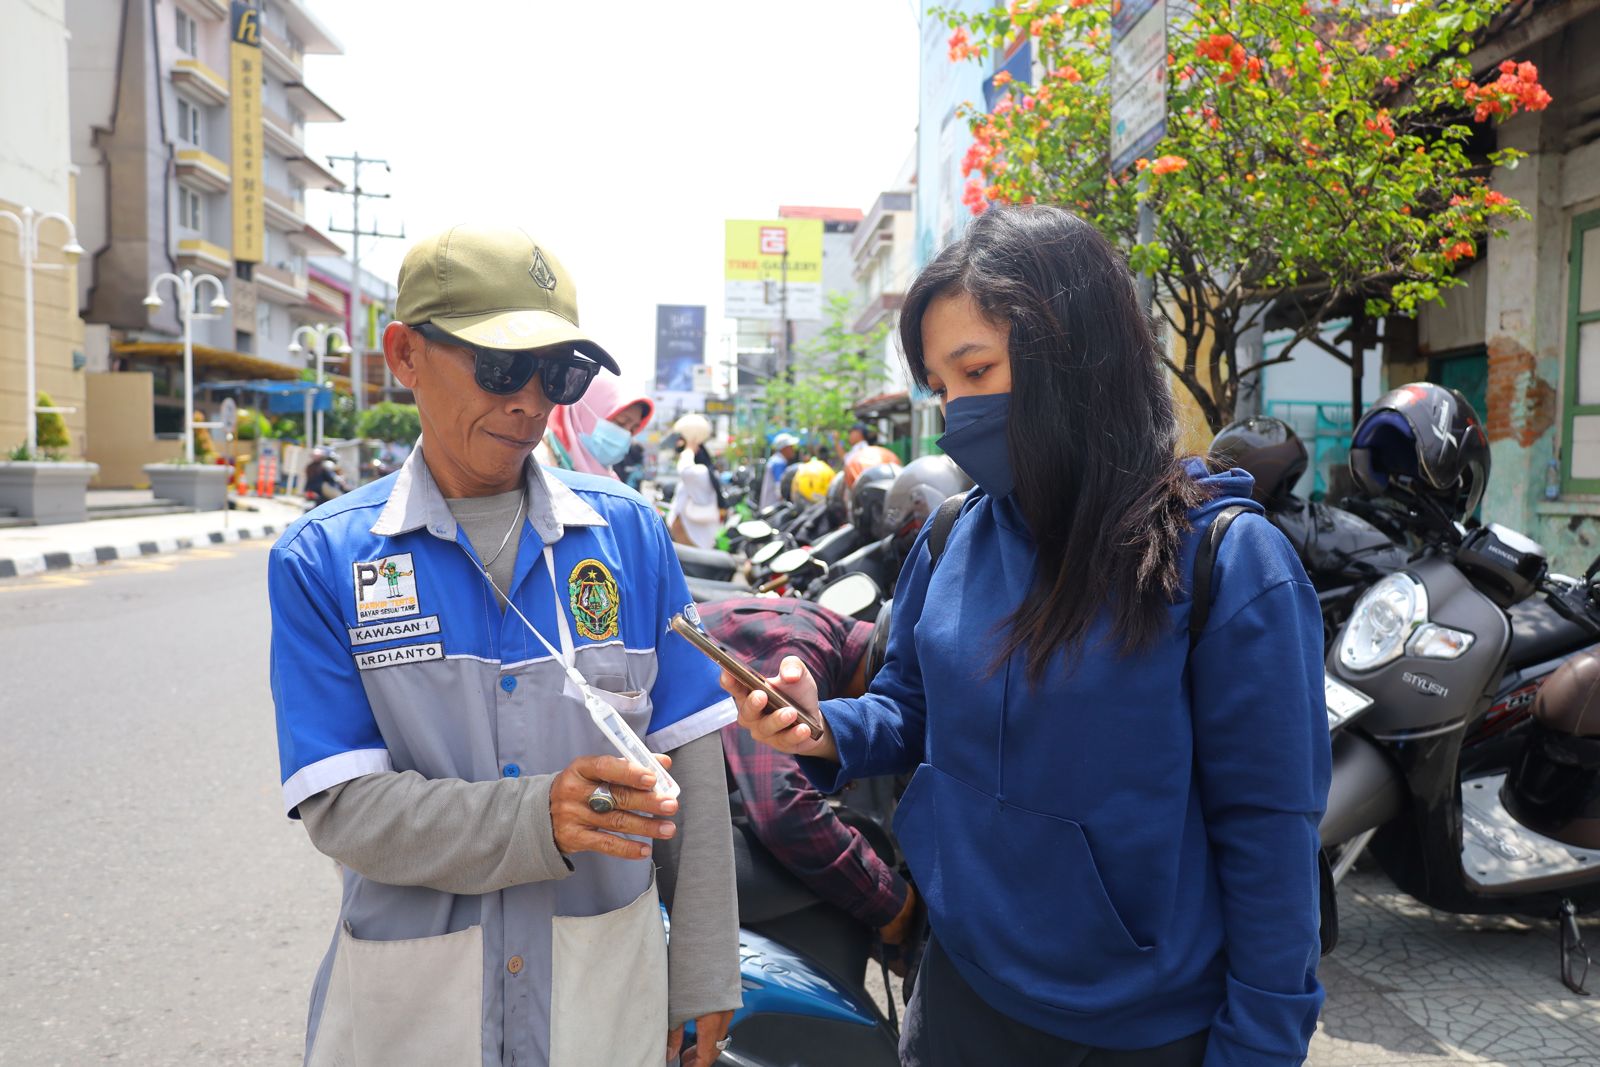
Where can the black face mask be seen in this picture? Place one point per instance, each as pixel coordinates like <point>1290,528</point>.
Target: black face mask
<point>975,437</point>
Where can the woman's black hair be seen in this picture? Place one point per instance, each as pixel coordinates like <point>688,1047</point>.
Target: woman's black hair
<point>1093,431</point>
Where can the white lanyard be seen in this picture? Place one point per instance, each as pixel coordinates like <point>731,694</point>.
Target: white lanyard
<point>567,655</point>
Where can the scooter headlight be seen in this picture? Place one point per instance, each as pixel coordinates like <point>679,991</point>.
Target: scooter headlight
<point>1383,620</point>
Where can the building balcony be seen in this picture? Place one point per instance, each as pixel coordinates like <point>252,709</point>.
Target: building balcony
<point>203,257</point>
<point>313,242</point>
<point>281,57</point>
<point>881,307</point>
<point>283,212</point>
<point>314,36</point>
<point>280,133</point>
<point>200,82</point>
<point>280,286</point>
<point>312,106</point>
<point>203,171</point>
<point>313,175</point>
<point>879,223</point>
<point>217,8</point>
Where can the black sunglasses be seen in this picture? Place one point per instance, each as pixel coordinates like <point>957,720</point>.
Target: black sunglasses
<point>565,378</point>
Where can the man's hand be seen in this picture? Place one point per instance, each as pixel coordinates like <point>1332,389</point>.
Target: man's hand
<point>782,729</point>
<point>894,935</point>
<point>708,1030</point>
<point>580,829</point>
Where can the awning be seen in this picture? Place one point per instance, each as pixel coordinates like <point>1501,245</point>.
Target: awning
<point>237,364</point>
<point>282,397</point>
<point>884,404</point>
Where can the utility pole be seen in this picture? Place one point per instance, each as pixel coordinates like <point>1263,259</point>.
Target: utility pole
<point>358,344</point>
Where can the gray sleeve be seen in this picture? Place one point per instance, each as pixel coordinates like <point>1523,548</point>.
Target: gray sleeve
<point>696,875</point>
<point>400,828</point>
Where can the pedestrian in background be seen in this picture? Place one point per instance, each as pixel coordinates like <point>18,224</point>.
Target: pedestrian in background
<point>437,638</point>
<point>784,449</point>
<point>695,516</point>
<point>595,433</point>
<point>1113,824</point>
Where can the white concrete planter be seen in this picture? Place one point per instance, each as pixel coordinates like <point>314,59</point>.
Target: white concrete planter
<point>203,487</point>
<point>47,493</point>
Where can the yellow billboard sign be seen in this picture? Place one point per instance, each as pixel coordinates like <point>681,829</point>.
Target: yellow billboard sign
<point>249,207</point>
<point>773,269</point>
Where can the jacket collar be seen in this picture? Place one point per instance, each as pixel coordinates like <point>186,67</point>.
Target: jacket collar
<point>416,503</point>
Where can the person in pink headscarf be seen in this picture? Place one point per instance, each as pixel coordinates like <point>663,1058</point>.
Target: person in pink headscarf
<point>593,435</point>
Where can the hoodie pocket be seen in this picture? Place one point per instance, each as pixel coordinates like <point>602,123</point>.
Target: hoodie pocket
<point>1016,894</point>
<point>409,1003</point>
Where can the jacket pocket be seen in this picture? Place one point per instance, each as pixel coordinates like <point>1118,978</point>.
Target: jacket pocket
<point>608,987</point>
<point>403,1003</point>
<point>634,707</point>
<point>1016,893</point>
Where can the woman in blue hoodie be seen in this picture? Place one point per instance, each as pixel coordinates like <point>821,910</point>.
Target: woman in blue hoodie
<point>1116,839</point>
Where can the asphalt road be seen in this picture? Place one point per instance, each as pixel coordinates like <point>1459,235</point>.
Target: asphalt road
<point>159,909</point>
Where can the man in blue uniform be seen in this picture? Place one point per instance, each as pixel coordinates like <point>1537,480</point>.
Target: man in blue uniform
<point>433,637</point>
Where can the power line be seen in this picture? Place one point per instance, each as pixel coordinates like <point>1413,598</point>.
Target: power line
<point>358,344</point>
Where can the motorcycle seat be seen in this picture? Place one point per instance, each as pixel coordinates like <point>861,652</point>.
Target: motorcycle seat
<point>706,562</point>
<point>1539,634</point>
<point>708,590</point>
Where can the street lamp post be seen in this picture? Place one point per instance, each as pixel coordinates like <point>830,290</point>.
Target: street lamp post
<point>188,286</point>
<point>319,335</point>
<point>27,225</point>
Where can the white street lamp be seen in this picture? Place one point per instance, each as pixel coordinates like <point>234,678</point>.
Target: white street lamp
<point>27,225</point>
<point>320,335</point>
<point>188,286</point>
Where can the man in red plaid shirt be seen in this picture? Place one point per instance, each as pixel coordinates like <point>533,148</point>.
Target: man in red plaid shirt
<point>784,812</point>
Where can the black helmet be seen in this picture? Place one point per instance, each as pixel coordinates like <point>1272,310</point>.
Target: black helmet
<point>1554,785</point>
<point>838,502</point>
<point>869,495</point>
<point>1428,435</point>
<point>1268,449</point>
<point>917,492</point>
<point>786,483</point>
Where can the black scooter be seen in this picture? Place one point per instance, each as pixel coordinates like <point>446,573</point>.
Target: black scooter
<point>1428,690</point>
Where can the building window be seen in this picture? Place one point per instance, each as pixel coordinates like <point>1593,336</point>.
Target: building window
<point>263,322</point>
<point>190,122</point>
<point>191,209</point>
<point>188,34</point>
<point>1582,436</point>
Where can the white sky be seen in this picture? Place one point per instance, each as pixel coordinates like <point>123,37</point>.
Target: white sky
<point>621,134</point>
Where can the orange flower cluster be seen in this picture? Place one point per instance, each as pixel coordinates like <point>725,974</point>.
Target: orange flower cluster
<point>960,46</point>
<point>1382,124</point>
<point>1222,48</point>
<point>1168,164</point>
<point>1517,86</point>
<point>1067,74</point>
<point>1457,250</point>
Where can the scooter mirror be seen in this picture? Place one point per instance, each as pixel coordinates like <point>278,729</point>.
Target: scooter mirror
<point>755,530</point>
<point>791,561</point>
<point>767,553</point>
<point>851,596</point>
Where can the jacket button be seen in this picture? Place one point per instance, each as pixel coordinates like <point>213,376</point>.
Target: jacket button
<point>508,683</point>
<point>514,965</point>
<point>512,770</point>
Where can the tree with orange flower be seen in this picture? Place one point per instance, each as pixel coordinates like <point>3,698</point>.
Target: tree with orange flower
<point>1316,155</point>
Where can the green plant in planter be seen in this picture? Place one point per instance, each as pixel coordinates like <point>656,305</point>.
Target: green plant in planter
<point>252,425</point>
<point>51,429</point>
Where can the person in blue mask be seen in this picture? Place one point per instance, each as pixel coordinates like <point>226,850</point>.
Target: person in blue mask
<point>1113,824</point>
<point>593,435</point>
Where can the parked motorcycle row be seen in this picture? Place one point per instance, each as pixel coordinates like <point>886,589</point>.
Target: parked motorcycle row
<point>1461,690</point>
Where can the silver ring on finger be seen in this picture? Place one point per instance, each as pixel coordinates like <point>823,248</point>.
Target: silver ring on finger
<point>601,800</point>
<point>722,1046</point>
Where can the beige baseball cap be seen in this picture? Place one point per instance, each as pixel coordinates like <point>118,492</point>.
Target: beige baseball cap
<point>495,287</point>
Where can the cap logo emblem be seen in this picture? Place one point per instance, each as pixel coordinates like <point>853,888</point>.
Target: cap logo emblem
<point>541,272</point>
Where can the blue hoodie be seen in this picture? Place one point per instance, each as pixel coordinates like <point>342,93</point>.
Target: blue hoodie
<point>1127,854</point>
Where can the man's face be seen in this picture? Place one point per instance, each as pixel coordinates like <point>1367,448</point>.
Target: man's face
<point>856,437</point>
<point>788,452</point>
<point>477,442</point>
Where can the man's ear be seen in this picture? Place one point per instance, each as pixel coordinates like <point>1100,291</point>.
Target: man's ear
<point>402,348</point>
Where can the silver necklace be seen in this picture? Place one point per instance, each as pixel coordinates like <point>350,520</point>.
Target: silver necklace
<point>515,522</point>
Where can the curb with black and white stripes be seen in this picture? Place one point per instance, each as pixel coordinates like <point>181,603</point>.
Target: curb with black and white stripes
<point>21,566</point>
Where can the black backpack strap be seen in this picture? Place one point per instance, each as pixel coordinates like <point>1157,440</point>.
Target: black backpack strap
<point>1205,561</point>
<point>944,520</point>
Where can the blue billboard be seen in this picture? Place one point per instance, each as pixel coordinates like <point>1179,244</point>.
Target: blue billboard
<point>680,346</point>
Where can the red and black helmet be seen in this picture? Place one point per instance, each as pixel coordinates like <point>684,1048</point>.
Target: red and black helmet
<point>1426,439</point>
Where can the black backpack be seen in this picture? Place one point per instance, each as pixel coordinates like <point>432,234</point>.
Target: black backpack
<point>1205,561</point>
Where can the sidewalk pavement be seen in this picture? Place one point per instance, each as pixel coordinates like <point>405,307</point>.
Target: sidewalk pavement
<point>32,549</point>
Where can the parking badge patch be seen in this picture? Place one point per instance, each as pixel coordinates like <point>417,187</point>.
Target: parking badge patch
<point>394,631</point>
<point>390,657</point>
<point>386,588</point>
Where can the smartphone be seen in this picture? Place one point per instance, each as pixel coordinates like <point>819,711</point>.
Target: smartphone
<point>747,677</point>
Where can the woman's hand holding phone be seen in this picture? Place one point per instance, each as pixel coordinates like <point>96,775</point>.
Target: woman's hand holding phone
<point>782,729</point>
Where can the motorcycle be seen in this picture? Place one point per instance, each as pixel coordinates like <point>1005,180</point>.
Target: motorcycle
<point>1429,689</point>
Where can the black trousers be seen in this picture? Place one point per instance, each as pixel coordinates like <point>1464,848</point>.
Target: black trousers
<point>948,1025</point>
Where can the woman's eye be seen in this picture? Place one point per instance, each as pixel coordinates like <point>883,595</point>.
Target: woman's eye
<point>976,373</point>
